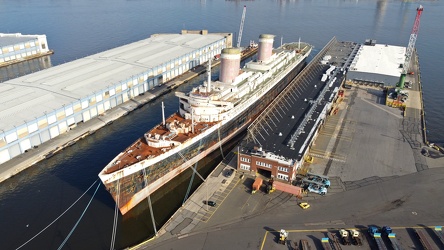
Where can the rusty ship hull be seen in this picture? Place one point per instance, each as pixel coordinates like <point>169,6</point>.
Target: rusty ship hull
<point>141,169</point>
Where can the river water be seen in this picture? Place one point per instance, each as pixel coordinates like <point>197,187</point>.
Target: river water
<point>75,29</point>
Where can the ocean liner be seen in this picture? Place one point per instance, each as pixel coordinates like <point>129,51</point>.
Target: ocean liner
<point>208,116</point>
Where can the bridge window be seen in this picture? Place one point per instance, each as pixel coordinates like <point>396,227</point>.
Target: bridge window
<point>263,164</point>
<point>283,169</point>
<point>282,176</point>
<point>244,166</point>
<point>244,159</point>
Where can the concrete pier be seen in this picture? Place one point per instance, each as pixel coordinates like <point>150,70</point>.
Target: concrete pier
<point>372,154</point>
<point>46,150</point>
<point>82,130</point>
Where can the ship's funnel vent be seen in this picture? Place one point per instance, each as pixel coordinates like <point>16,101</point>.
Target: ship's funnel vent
<point>230,64</point>
<point>265,47</point>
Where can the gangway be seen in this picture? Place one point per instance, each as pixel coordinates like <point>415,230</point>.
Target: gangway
<point>336,245</point>
<point>424,241</point>
<point>305,245</point>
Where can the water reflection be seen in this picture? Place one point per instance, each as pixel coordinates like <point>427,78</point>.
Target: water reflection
<point>24,68</point>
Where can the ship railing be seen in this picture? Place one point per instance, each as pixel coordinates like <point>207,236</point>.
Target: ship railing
<point>262,88</point>
<point>268,84</point>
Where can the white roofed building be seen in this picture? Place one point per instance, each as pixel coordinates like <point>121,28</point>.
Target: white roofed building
<point>17,47</point>
<point>40,106</point>
<point>379,63</point>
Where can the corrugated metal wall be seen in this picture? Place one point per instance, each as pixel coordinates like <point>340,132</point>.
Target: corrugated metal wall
<point>20,50</point>
<point>42,129</point>
<point>372,77</point>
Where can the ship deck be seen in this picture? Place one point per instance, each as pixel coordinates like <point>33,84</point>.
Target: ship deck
<point>140,150</point>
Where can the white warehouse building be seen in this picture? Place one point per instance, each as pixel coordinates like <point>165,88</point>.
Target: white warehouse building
<point>17,47</point>
<point>38,107</point>
<point>378,63</point>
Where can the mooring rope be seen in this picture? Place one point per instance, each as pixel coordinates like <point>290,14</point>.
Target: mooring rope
<point>148,200</point>
<point>116,216</point>
<point>192,177</point>
<point>41,231</point>
<point>78,221</point>
<point>220,144</point>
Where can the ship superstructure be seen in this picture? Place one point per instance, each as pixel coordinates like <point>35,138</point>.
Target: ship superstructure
<point>208,116</point>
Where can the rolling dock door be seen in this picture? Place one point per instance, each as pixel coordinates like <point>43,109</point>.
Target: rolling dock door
<point>14,150</point>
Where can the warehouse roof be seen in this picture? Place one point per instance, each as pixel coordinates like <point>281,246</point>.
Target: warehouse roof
<point>12,39</point>
<point>276,138</point>
<point>288,125</point>
<point>379,59</point>
<point>30,96</point>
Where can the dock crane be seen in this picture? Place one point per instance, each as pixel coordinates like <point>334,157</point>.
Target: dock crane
<point>241,28</point>
<point>411,46</point>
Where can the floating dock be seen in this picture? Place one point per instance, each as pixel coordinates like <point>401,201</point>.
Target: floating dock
<point>16,48</point>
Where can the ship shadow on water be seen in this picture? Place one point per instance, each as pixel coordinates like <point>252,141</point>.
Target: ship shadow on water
<point>136,225</point>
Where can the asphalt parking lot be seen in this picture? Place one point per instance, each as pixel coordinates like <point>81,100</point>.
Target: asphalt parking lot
<point>372,155</point>
<point>251,221</point>
<point>376,183</point>
<point>405,237</point>
<point>363,140</point>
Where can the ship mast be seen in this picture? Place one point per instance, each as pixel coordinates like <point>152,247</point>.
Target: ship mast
<point>163,114</point>
<point>192,120</point>
<point>209,77</point>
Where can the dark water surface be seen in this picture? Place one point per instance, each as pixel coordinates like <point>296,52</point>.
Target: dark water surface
<point>75,29</point>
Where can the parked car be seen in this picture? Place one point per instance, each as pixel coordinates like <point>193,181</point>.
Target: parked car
<point>229,172</point>
<point>318,189</point>
<point>324,181</point>
<point>210,203</point>
<point>404,93</point>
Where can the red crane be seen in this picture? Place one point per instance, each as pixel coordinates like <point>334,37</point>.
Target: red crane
<point>411,46</point>
<point>241,28</point>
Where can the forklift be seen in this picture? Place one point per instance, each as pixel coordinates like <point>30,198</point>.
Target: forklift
<point>283,237</point>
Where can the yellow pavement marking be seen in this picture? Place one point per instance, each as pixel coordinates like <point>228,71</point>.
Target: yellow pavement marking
<point>246,202</point>
<point>377,106</point>
<point>327,230</point>
<point>340,137</point>
<point>223,200</point>
<point>326,153</point>
<point>317,151</point>
<point>263,241</point>
<point>335,126</point>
